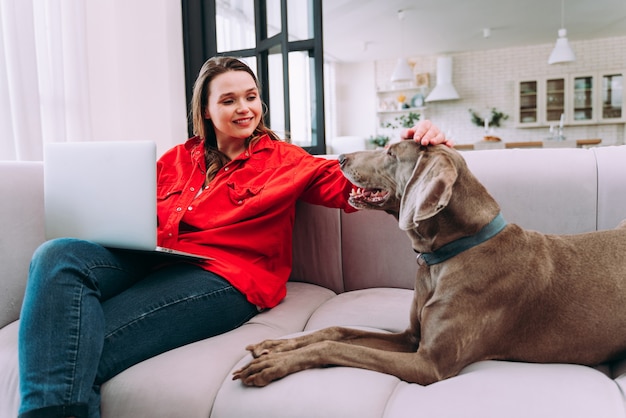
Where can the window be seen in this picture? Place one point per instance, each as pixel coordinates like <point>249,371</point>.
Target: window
<point>281,40</point>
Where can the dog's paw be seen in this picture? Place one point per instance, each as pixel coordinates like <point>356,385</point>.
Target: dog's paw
<point>260,372</point>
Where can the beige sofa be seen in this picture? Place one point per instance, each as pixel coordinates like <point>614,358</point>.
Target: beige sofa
<point>354,270</point>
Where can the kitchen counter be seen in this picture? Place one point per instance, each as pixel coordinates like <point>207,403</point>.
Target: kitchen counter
<point>578,143</point>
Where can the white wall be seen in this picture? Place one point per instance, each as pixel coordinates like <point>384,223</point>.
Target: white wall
<point>354,102</point>
<point>485,79</point>
<point>136,71</point>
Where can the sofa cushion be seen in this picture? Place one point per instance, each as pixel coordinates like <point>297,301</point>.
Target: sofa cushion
<point>317,247</point>
<point>378,253</point>
<point>484,389</point>
<point>382,308</point>
<point>504,389</point>
<point>328,392</point>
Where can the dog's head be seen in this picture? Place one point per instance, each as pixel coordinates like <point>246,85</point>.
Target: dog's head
<point>410,181</point>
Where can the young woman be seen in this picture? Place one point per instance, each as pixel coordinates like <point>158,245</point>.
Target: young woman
<point>229,193</point>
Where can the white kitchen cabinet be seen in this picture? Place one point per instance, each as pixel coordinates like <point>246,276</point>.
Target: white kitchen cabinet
<point>541,101</point>
<point>586,98</point>
<point>597,98</point>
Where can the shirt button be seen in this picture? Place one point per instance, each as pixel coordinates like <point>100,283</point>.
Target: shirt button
<point>193,189</point>
<point>240,202</point>
<point>179,209</point>
<point>170,234</point>
<point>190,208</point>
<point>225,168</point>
<point>247,155</point>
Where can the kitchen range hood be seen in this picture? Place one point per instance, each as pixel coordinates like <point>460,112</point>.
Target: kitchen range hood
<point>444,90</point>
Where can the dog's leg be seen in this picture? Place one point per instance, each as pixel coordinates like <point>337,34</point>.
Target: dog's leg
<point>404,342</point>
<point>410,367</point>
<point>274,359</point>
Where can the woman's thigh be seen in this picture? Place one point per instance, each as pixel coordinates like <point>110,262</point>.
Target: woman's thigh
<point>173,306</point>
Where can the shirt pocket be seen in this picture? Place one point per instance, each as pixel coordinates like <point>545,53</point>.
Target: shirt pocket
<point>167,191</point>
<point>243,194</point>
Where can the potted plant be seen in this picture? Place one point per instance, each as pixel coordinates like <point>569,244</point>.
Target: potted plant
<point>493,120</point>
<point>379,141</point>
<point>403,121</point>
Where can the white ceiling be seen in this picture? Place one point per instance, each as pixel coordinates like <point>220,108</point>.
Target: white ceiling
<point>367,30</point>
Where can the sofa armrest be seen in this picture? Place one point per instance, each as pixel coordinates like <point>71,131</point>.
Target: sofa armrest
<point>22,226</point>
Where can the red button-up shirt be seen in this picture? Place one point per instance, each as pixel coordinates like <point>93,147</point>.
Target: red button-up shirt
<point>244,219</point>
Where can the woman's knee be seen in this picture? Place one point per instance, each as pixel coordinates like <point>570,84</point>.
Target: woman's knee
<point>63,255</point>
<point>60,250</point>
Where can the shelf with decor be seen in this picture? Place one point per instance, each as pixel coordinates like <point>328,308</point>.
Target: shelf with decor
<point>403,110</point>
<point>400,99</point>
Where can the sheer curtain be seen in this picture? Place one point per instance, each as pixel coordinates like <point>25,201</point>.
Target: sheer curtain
<point>44,90</point>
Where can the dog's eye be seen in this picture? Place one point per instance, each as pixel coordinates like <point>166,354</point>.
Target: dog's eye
<point>390,153</point>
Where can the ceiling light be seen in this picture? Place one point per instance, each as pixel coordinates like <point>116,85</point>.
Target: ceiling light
<point>403,71</point>
<point>562,51</point>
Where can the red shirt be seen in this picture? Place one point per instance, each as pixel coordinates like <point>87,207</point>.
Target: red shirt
<point>244,219</point>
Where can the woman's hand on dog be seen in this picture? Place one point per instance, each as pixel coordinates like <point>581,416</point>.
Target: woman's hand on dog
<point>426,133</point>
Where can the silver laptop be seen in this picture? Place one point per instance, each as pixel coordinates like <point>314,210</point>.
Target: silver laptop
<point>104,192</point>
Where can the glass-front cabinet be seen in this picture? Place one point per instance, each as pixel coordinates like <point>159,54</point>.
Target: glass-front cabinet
<point>597,98</point>
<point>588,98</point>
<point>582,99</point>
<point>554,100</point>
<point>527,99</point>
<point>612,96</point>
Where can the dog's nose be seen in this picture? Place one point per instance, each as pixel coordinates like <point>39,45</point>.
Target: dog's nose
<point>342,159</point>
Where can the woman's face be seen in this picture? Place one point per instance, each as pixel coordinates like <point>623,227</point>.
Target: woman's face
<point>234,105</point>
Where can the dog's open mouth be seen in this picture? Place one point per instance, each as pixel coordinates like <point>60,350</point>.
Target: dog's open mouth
<point>360,195</point>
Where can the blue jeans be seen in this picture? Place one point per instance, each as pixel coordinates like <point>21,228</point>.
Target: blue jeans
<point>90,312</point>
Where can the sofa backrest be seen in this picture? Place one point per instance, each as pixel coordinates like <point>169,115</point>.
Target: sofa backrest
<point>560,191</point>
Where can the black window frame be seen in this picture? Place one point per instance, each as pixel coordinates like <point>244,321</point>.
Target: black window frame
<point>200,43</point>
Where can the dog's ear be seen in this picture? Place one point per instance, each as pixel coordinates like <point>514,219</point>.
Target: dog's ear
<point>428,190</point>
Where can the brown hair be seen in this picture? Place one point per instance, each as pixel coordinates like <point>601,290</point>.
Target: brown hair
<point>203,127</point>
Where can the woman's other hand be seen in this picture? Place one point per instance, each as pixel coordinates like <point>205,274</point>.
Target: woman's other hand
<point>426,133</point>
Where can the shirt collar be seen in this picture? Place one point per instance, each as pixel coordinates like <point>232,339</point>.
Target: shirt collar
<point>197,143</point>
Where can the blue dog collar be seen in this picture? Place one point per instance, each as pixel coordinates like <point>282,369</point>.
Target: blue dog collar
<point>457,247</point>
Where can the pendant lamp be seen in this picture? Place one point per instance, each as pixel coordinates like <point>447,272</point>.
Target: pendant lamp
<point>403,71</point>
<point>562,51</point>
